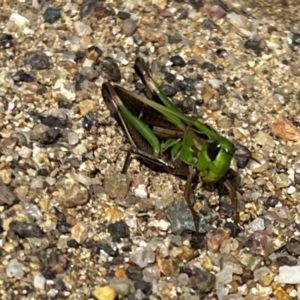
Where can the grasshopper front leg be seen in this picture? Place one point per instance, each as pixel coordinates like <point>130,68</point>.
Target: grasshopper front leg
<point>188,193</point>
<point>233,198</point>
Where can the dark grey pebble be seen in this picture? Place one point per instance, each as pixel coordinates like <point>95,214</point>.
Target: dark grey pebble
<point>221,52</point>
<point>180,217</point>
<point>181,13</point>
<point>186,85</point>
<point>52,14</point>
<point>6,40</point>
<point>169,77</point>
<point>242,155</point>
<point>7,197</point>
<point>50,136</point>
<point>134,272</point>
<point>38,60</point>
<point>73,244</point>
<point>26,229</point>
<point>222,90</point>
<point>96,247</point>
<point>89,120</point>
<point>123,15</point>
<point>22,76</point>
<point>208,66</point>
<point>208,24</point>
<point>53,121</point>
<point>111,69</point>
<point>293,247</point>
<point>88,8</point>
<point>296,39</point>
<point>168,90</point>
<point>174,38</point>
<point>118,230</point>
<point>42,172</point>
<point>177,61</point>
<point>202,281</point>
<point>196,4</point>
<point>271,201</point>
<point>255,45</point>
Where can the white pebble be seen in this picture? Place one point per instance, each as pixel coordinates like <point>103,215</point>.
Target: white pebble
<point>131,222</point>
<point>51,180</point>
<point>39,281</point>
<point>179,77</point>
<point>225,275</point>
<point>289,275</point>
<point>11,106</point>
<point>19,20</point>
<point>257,224</point>
<point>32,210</point>
<point>84,179</point>
<point>73,138</point>
<point>281,212</point>
<point>15,269</point>
<point>82,29</point>
<point>291,190</point>
<point>37,183</point>
<point>25,152</point>
<point>140,191</point>
<point>64,89</point>
<point>142,257</point>
<point>160,224</point>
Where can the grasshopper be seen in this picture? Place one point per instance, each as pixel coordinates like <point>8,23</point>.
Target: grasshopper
<point>162,136</point>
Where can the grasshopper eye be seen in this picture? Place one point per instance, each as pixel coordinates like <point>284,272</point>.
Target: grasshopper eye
<point>213,150</point>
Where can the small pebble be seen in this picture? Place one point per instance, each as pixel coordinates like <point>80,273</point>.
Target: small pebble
<point>296,39</point>
<point>39,281</point>
<point>293,247</point>
<point>225,276</point>
<point>257,225</point>
<point>128,27</point>
<point>111,69</point>
<point>52,15</point>
<point>291,190</point>
<point>79,232</point>
<point>142,257</point>
<point>82,29</point>
<point>7,197</point>
<point>177,61</point>
<point>38,60</point>
<point>116,185</point>
<point>15,269</point>
<point>118,230</point>
<point>141,191</point>
<point>123,286</point>
<point>26,229</point>
<point>73,138</point>
<point>289,275</point>
<point>105,293</point>
<point>161,224</point>
<point>20,20</point>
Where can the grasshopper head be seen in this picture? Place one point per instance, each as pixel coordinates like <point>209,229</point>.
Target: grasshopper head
<point>214,160</point>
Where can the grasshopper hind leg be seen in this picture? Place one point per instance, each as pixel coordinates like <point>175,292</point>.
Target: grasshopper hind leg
<point>148,158</point>
<point>167,166</point>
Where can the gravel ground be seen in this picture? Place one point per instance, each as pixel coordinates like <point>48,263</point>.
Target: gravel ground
<point>74,227</point>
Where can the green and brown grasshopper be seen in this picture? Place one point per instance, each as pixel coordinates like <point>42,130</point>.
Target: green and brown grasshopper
<point>161,135</point>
